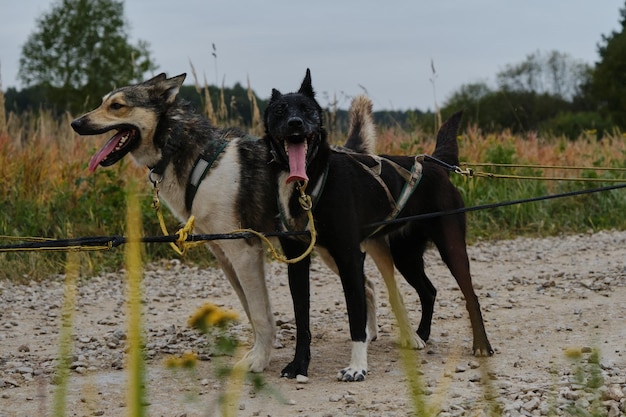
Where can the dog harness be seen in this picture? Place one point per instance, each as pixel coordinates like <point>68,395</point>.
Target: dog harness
<point>203,164</point>
<point>411,178</point>
<point>314,195</point>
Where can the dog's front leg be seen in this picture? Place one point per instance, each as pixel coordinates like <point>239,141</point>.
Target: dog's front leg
<point>243,265</point>
<point>300,294</point>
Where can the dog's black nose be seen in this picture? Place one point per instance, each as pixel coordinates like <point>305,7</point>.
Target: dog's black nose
<point>295,122</point>
<point>76,123</point>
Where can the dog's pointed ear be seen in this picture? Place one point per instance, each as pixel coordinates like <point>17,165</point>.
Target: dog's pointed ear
<point>171,87</point>
<point>307,88</point>
<point>276,95</point>
<point>156,79</point>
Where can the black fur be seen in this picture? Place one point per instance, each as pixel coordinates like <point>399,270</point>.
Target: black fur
<point>351,199</point>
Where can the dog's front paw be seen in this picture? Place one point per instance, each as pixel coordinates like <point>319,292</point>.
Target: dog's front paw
<point>351,375</point>
<point>255,360</point>
<point>293,370</point>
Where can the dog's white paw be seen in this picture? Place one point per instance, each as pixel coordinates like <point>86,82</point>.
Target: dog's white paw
<point>357,369</point>
<point>255,360</point>
<point>351,375</point>
<point>411,341</point>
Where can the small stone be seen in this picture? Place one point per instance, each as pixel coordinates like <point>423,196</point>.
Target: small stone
<point>301,379</point>
<point>531,404</point>
<point>614,393</point>
<point>25,370</point>
<point>23,348</point>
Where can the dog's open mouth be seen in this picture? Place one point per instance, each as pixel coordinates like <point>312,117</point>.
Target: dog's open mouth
<point>115,149</point>
<point>296,150</point>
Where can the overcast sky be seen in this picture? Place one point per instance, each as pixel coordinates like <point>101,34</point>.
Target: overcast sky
<point>384,47</point>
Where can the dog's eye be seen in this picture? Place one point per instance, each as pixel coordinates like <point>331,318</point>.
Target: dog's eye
<point>116,106</point>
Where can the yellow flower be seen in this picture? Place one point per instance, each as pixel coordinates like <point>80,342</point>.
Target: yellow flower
<point>187,361</point>
<point>210,315</point>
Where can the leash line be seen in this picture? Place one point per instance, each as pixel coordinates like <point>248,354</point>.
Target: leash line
<point>470,172</point>
<point>182,242</point>
<point>564,167</point>
<point>109,242</point>
<point>185,239</point>
<point>496,205</point>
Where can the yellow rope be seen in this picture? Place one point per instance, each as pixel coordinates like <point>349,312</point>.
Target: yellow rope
<point>471,173</point>
<point>73,248</point>
<point>181,245</point>
<point>59,248</point>
<point>531,177</point>
<point>26,238</point>
<point>484,164</point>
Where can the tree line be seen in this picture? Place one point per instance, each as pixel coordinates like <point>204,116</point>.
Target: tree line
<point>81,49</point>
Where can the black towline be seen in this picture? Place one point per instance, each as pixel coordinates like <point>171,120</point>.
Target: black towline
<point>115,241</point>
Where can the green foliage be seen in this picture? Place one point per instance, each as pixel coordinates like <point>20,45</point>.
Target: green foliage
<point>597,211</point>
<point>81,49</point>
<point>72,207</point>
<point>574,124</point>
<point>494,111</point>
<point>608,85</point>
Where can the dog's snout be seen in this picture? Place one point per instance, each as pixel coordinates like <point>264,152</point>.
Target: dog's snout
<point>295,122</point>
<point>76,124</point>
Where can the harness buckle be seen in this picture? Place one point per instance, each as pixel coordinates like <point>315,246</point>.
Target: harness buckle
<point>468,171</point>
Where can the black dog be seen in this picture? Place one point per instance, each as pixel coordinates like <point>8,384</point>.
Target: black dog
<point>352,191</point>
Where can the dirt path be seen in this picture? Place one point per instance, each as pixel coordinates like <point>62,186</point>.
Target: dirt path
<point>540,298</point>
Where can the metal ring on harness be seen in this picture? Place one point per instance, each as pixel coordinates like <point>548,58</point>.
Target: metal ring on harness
<point>154,181</point>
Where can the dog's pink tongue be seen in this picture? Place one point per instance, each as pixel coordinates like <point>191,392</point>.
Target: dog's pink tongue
<point>104,152</point>
<point>297,162</point>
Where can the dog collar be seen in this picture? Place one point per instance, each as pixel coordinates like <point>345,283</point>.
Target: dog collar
<point>200,168</point>
<point>315,196</point>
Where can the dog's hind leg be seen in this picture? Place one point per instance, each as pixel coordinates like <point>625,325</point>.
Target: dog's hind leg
<point>243,265</point>
<point>452,248</point>
<point>407,252</point>
<point>380,253</point>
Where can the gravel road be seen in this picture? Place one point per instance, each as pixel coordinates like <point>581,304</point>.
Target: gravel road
<point>554,308</point>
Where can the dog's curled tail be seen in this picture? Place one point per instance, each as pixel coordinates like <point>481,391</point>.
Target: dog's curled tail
<point>362,131</point>
<point>447,147</point>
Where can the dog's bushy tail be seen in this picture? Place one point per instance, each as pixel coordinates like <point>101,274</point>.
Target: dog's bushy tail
<point>362,132</point>
<point>447,147</point>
